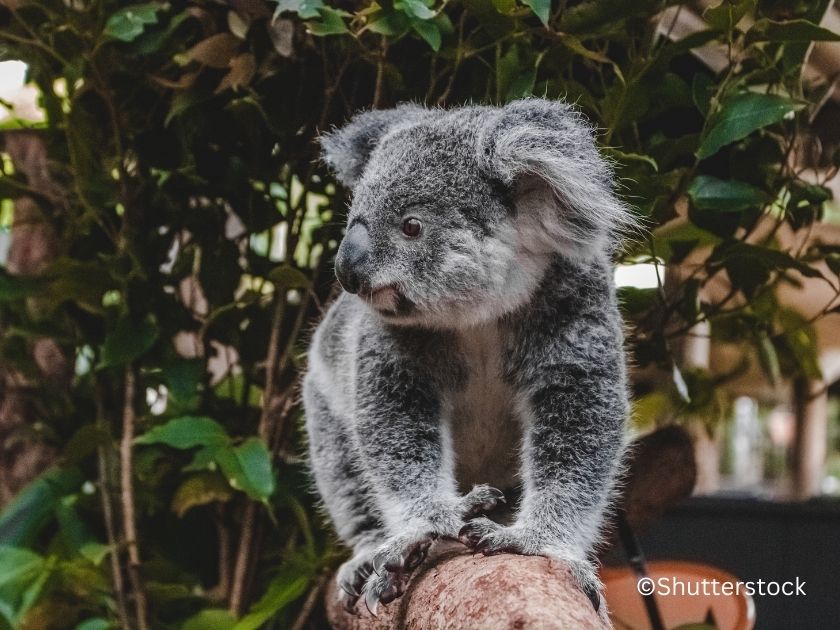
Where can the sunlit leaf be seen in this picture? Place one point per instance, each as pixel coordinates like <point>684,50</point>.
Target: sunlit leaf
<point>541,8</point>
<point>741,115</point>
<point>200,489</point>
<point>128,23</point>
<point>288,277</point>
<point>210,619</point>
<point>306,9</point>
<point>331,22</point>
<point>248,468</point>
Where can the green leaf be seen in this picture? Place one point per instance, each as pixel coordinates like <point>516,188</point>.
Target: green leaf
<point>720,195</point>
<point>14,288</point>
<point>765,30</point>
<point>288,277</point>
<point>635,301</point>
<point>306,9</point>
<point>749,266</point>
<point>415,8</point>
<point>429,31</point>
<point>22,576</point>
<point>186,432</point>
<point>94,552</point>
<point>769,358</point>
<point>541,8</point>
<point>727,14</point>
<point>626,158</point>
<point>248,468</point>
<point>290,583</point>
<point>18,564</point>
<point>184,379</point>
<point>671,240</point>
<point>128,23</point>
<point>33,507</point>
<point>742,114</point>
<point>128,341</point>
<point>331,23</point>
<point>392,24</point>
<point>85,441</point>
<point>200,489</point>
<point>96,623</point>
<point>210,619</point>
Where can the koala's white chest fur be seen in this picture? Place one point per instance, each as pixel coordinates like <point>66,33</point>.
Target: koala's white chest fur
<point>486,432</point>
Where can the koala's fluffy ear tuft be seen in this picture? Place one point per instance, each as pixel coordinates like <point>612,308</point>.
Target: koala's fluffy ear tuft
<point>346,149</point>
<point>536,143</point>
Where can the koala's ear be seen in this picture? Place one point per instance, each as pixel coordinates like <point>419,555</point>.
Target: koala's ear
<point>545,152</point>
<point>346,150</point>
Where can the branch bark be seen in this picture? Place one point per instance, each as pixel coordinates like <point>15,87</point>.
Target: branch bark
<point>455,589</point>
<point>127,483</point>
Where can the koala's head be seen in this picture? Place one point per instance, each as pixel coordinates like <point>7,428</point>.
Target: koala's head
<point>457,213</point>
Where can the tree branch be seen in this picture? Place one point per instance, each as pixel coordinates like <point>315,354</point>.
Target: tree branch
<point>456,589</point>
<point>129,517</point>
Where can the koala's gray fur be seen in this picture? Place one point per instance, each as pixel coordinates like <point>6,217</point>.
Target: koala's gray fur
<point>485,353</point>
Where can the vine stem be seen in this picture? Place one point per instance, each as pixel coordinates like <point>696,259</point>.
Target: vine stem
<point>129,420</point>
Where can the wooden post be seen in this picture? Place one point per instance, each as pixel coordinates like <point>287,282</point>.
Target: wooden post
<point>811,404</point>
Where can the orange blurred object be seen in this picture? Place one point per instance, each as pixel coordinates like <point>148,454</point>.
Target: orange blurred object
<point>731,611</point>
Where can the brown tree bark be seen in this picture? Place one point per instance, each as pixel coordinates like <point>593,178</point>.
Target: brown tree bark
<point>456,589</point>
<point>33,246</point>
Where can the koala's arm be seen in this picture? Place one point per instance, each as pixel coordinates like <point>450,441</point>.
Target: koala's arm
<point>572,375</point>
<point>398,424</point>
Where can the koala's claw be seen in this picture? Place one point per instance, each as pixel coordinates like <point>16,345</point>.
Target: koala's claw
<point>399,558</point>
<point>483,535</point>
<point>482,499</point>
<point>351,579</point>
<point>594,596</point>
<point>383,588</point>
<point>392,566</point>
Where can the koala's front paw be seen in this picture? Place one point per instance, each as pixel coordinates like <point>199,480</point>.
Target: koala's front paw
<point>487,537</point>
<point>481,500</point>
<point>392,564</point>
<point>351,578</point>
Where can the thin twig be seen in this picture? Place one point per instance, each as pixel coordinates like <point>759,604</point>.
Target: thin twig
<point>243,555</point>
<point>309,603</point>
<point>380,75</point>
<point>106,490</point>
<point>129,518</point>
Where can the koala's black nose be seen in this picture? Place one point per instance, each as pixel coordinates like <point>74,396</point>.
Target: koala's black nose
<point>352,257</point>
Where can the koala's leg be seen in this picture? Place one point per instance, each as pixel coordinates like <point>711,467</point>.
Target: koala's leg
<point>408,461</point>
<point>345,493</point>
<point>575,404</point>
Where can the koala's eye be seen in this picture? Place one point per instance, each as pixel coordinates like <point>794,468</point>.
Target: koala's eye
<point>412,227</point>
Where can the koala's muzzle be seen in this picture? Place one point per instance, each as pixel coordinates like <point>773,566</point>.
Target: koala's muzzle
<point>351,260</point>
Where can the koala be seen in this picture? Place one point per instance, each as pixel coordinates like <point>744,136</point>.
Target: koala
<point>475,354</point>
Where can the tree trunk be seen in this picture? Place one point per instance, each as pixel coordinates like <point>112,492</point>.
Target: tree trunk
<point>23,456</point>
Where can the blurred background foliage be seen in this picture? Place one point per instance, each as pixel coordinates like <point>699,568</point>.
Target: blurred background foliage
<point>183,232</point>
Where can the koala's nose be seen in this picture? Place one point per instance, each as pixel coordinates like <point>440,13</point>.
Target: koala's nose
<point>352,256</point>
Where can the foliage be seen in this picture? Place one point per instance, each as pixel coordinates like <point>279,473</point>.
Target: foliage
<point>195,230</point>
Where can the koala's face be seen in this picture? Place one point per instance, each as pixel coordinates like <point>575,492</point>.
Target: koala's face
<point>429,235</point>
<point>441,230</point>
